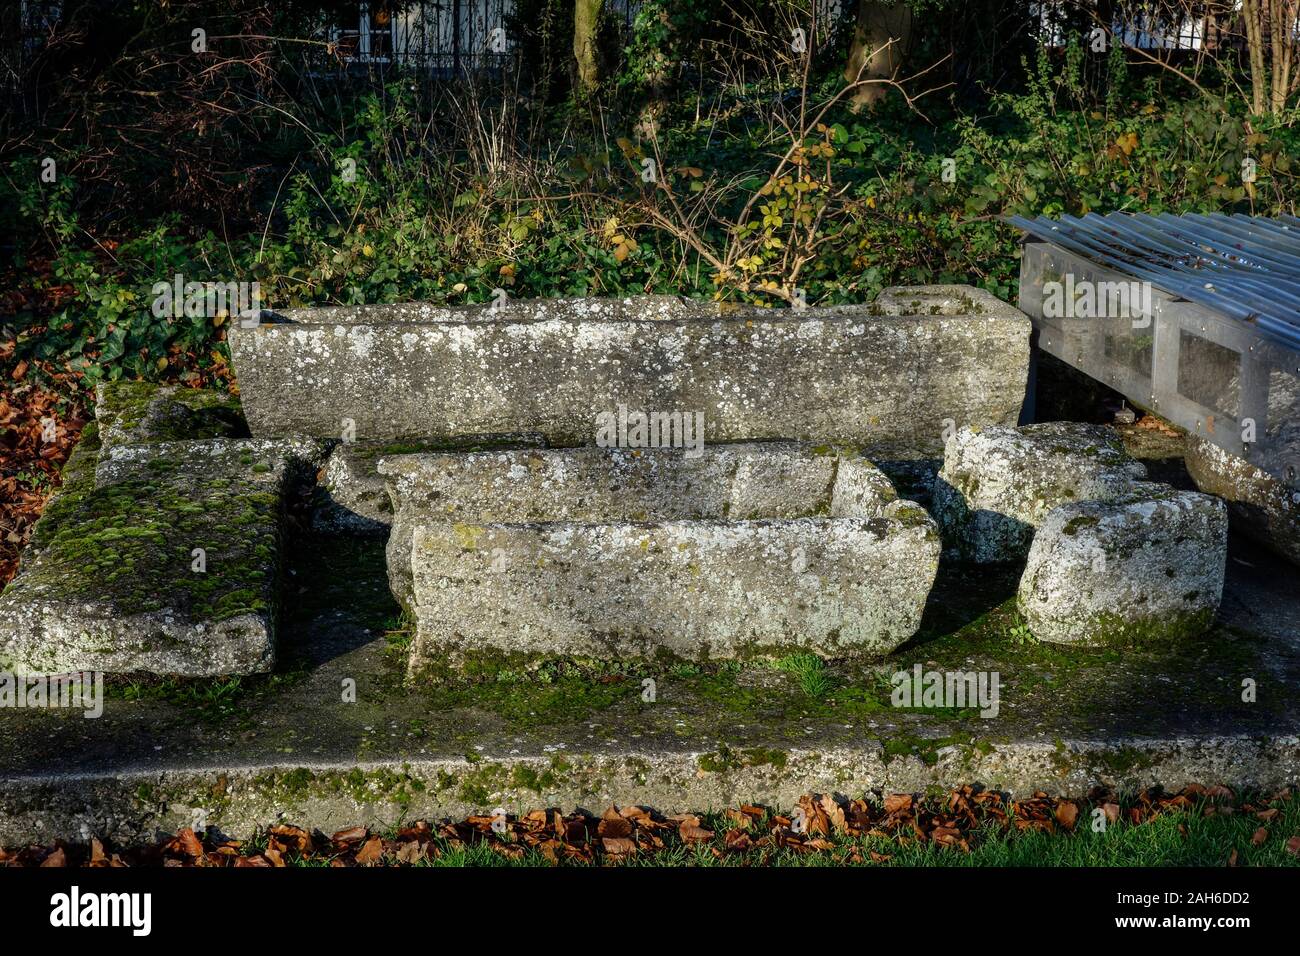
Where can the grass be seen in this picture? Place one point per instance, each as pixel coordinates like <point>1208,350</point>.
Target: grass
<point>1181,839</point>
<point>811,673</point>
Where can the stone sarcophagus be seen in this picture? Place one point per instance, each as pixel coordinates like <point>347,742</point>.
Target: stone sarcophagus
<point>895,372</point>
<point>743,550</point>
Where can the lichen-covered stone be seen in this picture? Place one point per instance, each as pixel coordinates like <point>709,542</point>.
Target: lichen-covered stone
<point>164,558</point>
<point>1263,506</point>
<point>640,308</point>
<point>840,375</point>
<point>726,482</point>
<point>997,484</point>
<point>939,300</point>
<point>700,590</point>
<point>242,461</point>
<point>115,590</point>
<point>745,550</point>
<point>351,497</point>
<point>140,412</point>
<point>1146,567</point>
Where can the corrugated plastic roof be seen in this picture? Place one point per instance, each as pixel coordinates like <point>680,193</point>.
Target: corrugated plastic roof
<point>1245,267</point>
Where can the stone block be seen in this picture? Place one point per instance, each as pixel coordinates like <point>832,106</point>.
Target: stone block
<point>1263,506</point>
<point>159,554</point>
<point>351,497</point>
<point>998,484</point>
<point>1147,567</point>
<point>746,550</point>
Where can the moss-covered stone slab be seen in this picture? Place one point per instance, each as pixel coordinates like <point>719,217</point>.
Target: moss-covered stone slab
<point>844,375</point>
<point>141,412</point>
<point>998,484</point>
<point>170,564</point>
<point>161,553</point>
<point>1265,507</point>
<point>1147,568</point>
<point>744,550</point>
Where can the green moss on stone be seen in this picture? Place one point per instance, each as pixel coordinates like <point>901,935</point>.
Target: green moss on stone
<point>150,529</point>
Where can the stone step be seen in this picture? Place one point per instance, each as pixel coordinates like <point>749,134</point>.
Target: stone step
<point>841,375</point>
<point>298,750</point>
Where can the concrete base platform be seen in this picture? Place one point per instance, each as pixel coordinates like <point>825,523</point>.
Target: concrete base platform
<point>240,754</point>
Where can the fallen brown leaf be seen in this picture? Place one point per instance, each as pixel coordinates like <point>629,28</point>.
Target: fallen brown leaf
<point>614,825</point>
<point>371,853</point>
<point>898,802</point>
<point>410,853</point>
<point>1067,812</point>
<point>618,846</point>
<point>691,832</point>
<point>190,844</point>
<point>350,835</point>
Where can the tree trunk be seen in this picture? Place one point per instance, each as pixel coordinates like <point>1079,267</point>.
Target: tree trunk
<point>872,56</point>
<point>586,23</point>
<point>1259,79</point>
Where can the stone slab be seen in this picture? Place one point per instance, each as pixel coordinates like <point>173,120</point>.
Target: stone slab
<point>841,375</point>
<point>116,587</point>
<point>159,554</point>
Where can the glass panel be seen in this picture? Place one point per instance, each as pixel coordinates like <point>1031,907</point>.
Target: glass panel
<point>1209,374</point>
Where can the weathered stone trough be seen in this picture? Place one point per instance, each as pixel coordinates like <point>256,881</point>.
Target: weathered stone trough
<point>849,374</point>
<point>744,550</point>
